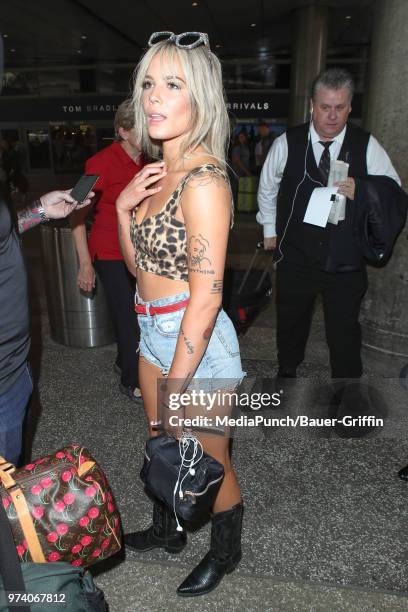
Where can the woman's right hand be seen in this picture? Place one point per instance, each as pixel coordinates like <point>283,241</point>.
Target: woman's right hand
<point>86,276</point>
<point>139,187</point>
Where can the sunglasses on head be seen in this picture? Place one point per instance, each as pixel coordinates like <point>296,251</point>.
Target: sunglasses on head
<point>186,40</point>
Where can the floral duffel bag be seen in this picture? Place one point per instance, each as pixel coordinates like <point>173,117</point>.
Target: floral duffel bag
<point>61,508</point>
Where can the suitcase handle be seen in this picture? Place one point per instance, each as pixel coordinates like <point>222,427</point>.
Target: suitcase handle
<point>259,247</point>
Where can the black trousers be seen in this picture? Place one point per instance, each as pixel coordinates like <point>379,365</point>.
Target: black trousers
<point>296,290</point>
<point>119,287</point>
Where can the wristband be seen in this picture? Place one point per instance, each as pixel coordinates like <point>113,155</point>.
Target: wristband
<point>40,209</point>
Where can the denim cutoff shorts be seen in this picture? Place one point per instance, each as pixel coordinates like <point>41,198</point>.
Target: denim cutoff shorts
<point>220,366</point>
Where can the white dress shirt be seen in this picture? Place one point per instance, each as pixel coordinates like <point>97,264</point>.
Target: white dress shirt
<point>378,163</point>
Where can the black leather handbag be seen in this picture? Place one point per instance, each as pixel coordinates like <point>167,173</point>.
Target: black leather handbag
<point>181,475</point>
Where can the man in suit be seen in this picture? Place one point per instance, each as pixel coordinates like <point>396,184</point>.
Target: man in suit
<point>314,260</point>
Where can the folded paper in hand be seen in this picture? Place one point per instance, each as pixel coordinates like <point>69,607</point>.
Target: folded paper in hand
<point>320,204</point>
<point>338,172</point>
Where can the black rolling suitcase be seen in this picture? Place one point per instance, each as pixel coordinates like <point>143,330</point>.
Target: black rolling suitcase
<point>248,292</point>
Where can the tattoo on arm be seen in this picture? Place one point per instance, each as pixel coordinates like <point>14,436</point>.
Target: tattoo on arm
<point>186,382</point>
<point>217,286</point>
<point>29,217</point>
<point>197,255</point>
<point>207,333</point>
<point>187,342</point>
<point>202,179</point>
<point>200,271</point>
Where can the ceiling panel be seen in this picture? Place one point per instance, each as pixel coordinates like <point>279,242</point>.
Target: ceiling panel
<point>50,31</point>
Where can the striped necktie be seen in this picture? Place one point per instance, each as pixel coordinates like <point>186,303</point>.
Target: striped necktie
<point>324,164</point>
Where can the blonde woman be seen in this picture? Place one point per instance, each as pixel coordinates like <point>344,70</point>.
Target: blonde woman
<point>174,219</point>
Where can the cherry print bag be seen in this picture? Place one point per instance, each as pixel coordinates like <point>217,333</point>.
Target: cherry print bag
<point>61,508</point>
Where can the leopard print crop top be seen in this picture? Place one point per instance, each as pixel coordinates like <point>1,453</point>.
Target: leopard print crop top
<point>160,240</point>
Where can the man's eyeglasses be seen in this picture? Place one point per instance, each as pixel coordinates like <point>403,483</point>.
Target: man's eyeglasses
<point>186,40</point>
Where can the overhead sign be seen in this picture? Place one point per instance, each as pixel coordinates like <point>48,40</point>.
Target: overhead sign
<point>247,105</point>
<point>104,106</point>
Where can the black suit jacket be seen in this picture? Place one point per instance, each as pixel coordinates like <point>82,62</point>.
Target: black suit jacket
<point>381,211</point>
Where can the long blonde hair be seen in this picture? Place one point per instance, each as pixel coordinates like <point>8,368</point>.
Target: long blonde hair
<point>202,70</point>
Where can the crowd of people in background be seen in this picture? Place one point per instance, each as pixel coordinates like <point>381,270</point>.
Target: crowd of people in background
<point>71,147</point>
<point>249,148</point>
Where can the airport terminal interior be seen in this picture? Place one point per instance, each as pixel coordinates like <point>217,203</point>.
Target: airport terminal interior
<point>325,523</point>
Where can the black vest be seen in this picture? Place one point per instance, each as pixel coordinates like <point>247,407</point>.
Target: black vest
<point>334,248</point>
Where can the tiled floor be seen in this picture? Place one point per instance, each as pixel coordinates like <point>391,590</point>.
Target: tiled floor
<point>325,522</point>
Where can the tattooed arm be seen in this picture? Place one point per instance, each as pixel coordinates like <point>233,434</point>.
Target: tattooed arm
<point>53,205</point>
<point>29,217</point>
<point>206,206</point>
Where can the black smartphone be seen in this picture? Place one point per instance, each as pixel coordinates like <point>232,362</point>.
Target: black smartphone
<point>83,187</point>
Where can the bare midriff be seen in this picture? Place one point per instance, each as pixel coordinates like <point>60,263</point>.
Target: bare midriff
<point>153,287</point>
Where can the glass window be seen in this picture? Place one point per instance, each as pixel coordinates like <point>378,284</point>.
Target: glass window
<point>57,82</point>
<point>38,149</point>
<point>114,80</point>
<point>255,75</point>
<point>19,83</point>
<point>73,144</point>
<point>105,136</point>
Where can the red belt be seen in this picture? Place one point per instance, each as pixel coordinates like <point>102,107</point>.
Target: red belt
<point>153,310</point>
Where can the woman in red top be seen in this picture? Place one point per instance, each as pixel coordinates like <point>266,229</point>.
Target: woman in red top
<point>116,166</point>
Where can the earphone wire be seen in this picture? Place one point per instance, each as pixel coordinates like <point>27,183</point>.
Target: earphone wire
<point>305,175</point>
<point>197,453</point>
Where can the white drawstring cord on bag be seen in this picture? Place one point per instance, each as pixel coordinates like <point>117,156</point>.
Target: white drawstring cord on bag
<point>188,464</point>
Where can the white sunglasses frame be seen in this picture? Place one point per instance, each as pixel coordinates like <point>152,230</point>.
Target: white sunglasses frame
<point>202,39</point>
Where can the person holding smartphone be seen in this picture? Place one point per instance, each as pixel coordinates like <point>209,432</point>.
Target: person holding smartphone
<point>15,375</point>
<point>115,165</point>
<point>174,221</point>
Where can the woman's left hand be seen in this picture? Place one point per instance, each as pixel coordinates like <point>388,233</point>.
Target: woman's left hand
<point>347,187</point>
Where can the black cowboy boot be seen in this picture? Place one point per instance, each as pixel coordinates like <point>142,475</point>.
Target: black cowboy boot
<point>223,556</point>
<point>162,534</point>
